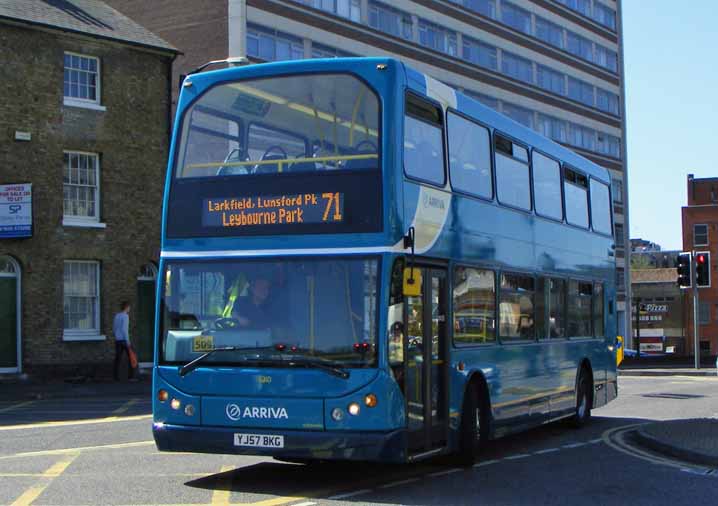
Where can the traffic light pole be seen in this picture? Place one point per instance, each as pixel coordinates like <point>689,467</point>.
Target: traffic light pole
<point>696,343</point>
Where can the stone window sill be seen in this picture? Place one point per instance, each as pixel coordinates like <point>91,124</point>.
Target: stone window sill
<point>83,104</point>
<point>70,335</point>
<point>69,222</point>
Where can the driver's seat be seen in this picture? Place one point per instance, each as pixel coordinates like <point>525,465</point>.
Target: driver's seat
<point>269,168</point>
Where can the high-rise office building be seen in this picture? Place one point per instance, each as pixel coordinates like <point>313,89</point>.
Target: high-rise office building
<point>553,65</point>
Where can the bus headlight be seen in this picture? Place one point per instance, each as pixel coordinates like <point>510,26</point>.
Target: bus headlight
<point>175,404</point>
<point>353,408</point>
<point>189,410</point>
<point>337,414</point>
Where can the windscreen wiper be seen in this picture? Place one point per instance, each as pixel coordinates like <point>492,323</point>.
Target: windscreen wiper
<point>319,364</point>
<point>191,366</point>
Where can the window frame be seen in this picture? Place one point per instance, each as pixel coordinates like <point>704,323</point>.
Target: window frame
<point>579,281</point>
<point>560,175</point>
<point>85,102</point>
<point>89,221</point>
<point>706,234</point>
<point>89,334</point>
<point>528,162</point>
<point>567,166</point>
<point>497,288</point>
<point>499,335</point>
<point>610,208</point>
<point>442,127</point>
<point>491,155</point>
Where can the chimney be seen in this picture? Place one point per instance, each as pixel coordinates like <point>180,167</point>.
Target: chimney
<point>691,190</point>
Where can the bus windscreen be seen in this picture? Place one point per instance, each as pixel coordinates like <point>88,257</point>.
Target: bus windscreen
<point>286,154</point>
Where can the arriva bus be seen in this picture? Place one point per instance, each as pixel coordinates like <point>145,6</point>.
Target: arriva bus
<point>359,262</point>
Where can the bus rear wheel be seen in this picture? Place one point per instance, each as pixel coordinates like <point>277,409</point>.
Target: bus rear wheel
<point>582,414</point>
<point>474,426</point>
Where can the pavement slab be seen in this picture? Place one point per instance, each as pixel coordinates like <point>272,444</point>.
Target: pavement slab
<point>694,440</point>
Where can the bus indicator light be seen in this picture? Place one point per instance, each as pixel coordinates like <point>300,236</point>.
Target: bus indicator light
<point>162,396</point>
<point>370,400</point>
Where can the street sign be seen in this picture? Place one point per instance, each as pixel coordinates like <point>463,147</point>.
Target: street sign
<point>15,210</point>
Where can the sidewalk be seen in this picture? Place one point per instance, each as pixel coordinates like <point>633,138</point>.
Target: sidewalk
<point>18,389</point>
<point>673,371</point>
<point>691,440</point>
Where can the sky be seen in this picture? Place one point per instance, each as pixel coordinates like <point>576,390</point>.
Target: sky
<point>671,72</point>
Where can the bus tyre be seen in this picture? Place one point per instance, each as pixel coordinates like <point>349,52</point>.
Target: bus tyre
<point>583,401</point>
<point>473,427</point>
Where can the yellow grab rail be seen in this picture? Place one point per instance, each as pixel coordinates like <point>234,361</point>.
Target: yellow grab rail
<point>280,163</point>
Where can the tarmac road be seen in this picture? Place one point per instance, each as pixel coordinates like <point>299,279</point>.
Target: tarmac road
<point>93,451</point>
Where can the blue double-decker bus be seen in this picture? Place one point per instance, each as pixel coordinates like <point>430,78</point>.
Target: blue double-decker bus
<point>359,262</point>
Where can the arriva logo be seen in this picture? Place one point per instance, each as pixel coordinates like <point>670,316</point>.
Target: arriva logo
<point>234,412</point>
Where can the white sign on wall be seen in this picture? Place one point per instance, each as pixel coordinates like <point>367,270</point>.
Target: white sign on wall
<point>15,210</point>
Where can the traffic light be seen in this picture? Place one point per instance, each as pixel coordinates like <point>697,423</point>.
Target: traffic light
<point>703,269</point>
<point>683,266</point>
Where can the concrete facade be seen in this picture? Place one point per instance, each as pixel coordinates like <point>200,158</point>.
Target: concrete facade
<point>127,133</point>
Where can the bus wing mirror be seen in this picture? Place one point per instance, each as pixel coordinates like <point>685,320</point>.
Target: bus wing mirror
<point>412,282</point>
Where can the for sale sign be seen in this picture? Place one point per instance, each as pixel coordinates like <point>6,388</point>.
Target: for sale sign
<point>15,210</point>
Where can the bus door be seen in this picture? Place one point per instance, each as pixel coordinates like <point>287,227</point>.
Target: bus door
<point>425,363</point>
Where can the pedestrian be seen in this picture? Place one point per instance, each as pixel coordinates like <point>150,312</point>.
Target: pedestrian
<point>120,328</point>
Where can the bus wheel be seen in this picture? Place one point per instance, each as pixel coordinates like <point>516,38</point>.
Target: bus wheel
<point>583,400</point>
<point>473,428</point>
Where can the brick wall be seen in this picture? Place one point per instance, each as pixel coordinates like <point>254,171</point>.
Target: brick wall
<point>199,29</point>
<point>131,138</point>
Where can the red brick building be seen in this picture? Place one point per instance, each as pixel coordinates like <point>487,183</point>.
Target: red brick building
<point>700,234</point>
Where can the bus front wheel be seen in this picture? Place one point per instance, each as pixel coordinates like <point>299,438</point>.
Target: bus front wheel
<point>474,426</point>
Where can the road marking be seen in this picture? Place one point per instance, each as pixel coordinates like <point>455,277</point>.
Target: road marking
<point>487,463</point>
<point>349,494</point>
<point>63,451</point>
<point>516,457</point>
<point>443,473</point>
<point>221,496</point>
<point>44,425</point>
<point>547,450</point>
<point>29,496</point>
<point>399,483</point>
<point>304,504</point>
<point>574,445</point>
<point>125,407</point>
<point>17,406</point>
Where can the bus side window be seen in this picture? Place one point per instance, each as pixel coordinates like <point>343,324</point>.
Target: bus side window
<point>423,141</point>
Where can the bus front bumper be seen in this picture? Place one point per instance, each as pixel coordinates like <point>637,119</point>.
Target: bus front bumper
<point>320,445</point>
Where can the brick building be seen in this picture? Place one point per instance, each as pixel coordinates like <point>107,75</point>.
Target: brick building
<point>700,234</point>
<point>85,131</point>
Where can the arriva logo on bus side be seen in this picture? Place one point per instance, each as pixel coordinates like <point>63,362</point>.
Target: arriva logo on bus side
<point>234,412</point>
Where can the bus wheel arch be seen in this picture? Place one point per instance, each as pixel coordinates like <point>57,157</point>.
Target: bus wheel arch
<point>583,396</point>
<point>475,418</point>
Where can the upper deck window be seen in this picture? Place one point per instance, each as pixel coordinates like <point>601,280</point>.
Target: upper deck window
<point>600,207</point>
<point>512,173</point>
<point>423,141</point>
<point>547,186</point>
<point>301,123</point>
<point>575,188</point>
<point>469,157</point>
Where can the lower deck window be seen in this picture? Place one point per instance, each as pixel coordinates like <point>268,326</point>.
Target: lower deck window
<point>474,306</point>
<point>516,307</point>
<point>579,308</point>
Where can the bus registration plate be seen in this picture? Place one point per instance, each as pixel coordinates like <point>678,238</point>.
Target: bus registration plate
<point>259,440</point>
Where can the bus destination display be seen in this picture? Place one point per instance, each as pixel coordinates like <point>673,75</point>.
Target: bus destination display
<point>241,212</point>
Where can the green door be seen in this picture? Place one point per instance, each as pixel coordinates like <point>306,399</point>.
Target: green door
<point>145,314</point>
<point>8,322</point>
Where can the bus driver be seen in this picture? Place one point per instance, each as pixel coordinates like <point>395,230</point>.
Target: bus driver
<point>255,310</point>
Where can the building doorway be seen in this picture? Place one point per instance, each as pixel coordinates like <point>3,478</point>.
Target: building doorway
<point>145,315</point>
<point>10,312</point>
